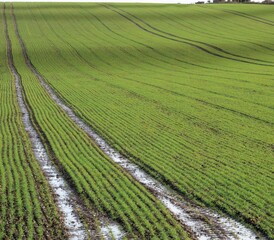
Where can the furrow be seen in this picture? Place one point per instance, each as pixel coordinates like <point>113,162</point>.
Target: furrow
<point>64,195</point>
<point>205,223</point>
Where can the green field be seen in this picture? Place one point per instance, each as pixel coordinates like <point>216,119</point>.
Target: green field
<point>186,92</point>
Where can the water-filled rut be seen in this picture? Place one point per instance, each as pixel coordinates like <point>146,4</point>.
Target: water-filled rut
<point>67,199</point>
<point>203,222</point>
<point>64,196</point>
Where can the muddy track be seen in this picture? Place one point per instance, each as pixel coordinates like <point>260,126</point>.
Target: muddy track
<point>204,223</point>
<point>189,42</point>
<point>63,194</point>
<point>70,201</point>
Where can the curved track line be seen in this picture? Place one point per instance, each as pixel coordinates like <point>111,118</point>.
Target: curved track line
<point>186,40</point>
<point>191,40</point>
<point>205,223</point>
<point>250,17</point>
<point>63,194</point>
<point>149,47</point>
<point>193,28</point>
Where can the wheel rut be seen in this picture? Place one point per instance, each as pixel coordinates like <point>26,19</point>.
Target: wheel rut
<point>154,31</point>
<point>63,194</point>
<point>69,203</point>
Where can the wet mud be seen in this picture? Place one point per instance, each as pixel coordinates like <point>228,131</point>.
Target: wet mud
<point>63,194</point>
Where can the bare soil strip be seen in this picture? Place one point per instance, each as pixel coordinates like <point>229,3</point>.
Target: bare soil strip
<point>63,194</point>
<point>203,222</point>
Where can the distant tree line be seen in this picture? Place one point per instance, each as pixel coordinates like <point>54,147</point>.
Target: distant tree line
<point>228,1</point>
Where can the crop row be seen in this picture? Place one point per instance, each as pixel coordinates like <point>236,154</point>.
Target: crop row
<point>199,123</point>
<point>97,179</point>
<point>27,207</point>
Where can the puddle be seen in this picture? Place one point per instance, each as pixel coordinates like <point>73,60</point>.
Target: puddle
<point>63,195</point>
<point>111,231</point>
